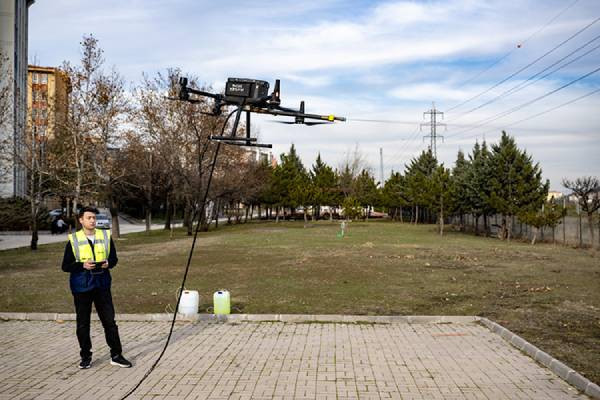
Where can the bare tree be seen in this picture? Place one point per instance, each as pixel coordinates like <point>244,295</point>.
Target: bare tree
<point>82,131</point>
<point>587,190</point>
<point>178,135</point>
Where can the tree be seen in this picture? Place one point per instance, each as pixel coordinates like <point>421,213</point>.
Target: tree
<point>477,178</point>
<point>178,134</point>
<point>587,190</point>
<point>441,191</point>
<point>550,215</point>
<point>365,191</point>
<point>80,131</point>
<point>417,174</point>
<point>302,193</point>
<point>516,185</point>
<point>394,195</point>
<point>287,176</point>
<point>352,208</point>
<point>324,184</point>
<point>460,193</point>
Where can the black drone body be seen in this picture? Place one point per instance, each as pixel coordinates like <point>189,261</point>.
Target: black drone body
<point>251,96</point>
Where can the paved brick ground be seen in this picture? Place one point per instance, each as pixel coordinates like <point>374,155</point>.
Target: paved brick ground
<point>275,360</point>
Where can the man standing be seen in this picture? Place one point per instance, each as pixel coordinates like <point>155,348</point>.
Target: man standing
<point>89,255</point>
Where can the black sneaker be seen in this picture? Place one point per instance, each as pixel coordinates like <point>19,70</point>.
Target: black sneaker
<point>120,361</point>
<point>85,363</point>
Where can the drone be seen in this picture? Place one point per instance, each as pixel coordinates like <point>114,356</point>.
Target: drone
<point>250,96</point>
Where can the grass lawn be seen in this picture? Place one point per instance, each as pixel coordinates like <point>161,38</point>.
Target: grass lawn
<point>548,294</point>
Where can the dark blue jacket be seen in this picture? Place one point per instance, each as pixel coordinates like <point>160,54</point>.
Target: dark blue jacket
<point>82,280</point>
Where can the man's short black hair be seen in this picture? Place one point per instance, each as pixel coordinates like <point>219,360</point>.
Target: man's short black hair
<point>86,209</point>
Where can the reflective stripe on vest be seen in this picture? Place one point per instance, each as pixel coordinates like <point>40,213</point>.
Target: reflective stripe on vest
<point>82,249</point>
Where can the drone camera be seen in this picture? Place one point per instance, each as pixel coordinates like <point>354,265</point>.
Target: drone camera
<point>249,91</point>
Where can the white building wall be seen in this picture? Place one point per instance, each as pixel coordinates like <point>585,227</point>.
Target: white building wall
<point>14,18</point>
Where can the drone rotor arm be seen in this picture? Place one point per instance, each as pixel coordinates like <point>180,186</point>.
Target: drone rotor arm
<point>280,111</point>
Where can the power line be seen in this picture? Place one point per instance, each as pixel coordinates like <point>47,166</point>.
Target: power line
<point>408,142</point>
<point>529,81</point>
<point>498,61</point>
<point>383,121</point>
<point>526,66</point>
<point>553,108</point>
<point>486,121</point>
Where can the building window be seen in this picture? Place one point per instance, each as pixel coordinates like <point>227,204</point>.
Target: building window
<point>43,78</point>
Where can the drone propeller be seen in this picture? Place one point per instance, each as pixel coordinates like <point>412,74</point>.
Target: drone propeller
<point>301,123</point>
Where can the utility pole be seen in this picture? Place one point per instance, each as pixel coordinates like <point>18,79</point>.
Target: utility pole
<point>381,166</point>
<point>433,124</point>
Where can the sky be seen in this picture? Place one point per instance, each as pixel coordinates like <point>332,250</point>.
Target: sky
<point>529,67</point>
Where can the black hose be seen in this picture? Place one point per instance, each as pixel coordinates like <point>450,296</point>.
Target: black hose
<point>187,267</point>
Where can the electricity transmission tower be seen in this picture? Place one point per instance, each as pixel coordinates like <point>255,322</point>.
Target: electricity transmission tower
<point>433,124</point>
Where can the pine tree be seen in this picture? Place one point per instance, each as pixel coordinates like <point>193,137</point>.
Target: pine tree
<point>417,174</point>
<point>516,183</point>
<point>440,192</point>
<point>477,180</point>
<point>460,186</point>
<point>324,184</point>
<point>365,191</point>
<point>287,176</point>
<point>394,195</point>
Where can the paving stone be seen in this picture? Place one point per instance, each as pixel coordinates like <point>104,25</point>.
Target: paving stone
<point>271,357</point>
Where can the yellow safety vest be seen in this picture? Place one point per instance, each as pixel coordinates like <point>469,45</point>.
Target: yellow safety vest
<point>82,249</point>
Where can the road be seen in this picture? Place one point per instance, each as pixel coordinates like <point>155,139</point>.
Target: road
<point>13,240</point>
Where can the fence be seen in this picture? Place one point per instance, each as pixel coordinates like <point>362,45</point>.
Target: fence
<point>572,231</point>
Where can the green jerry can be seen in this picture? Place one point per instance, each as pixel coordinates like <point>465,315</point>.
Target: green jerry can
<point>222,302</point>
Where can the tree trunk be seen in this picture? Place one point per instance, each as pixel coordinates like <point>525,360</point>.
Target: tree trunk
<point>330,214</point>
<point>148,218</point>
<point>34,231</point>
<point>277,214</point>
<point>591,227</point>
<point>534,236</point>
<point>246,216</point>
<point>486,225</point>
<point>187,216</point>
<point>441,217</point>
<point>114,212</point>
<point>416,214</point>
<point>174,215</point>
<point>168,213</point>
<point>216,212</point>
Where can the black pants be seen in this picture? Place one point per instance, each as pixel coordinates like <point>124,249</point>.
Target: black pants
<point>102,299</point>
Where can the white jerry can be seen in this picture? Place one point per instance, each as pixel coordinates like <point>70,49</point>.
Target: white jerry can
<point>222,302</point>
<point>189,302</point>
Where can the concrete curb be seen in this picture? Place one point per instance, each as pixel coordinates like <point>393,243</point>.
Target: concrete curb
<point>290,318</point>
<point>564,371</point>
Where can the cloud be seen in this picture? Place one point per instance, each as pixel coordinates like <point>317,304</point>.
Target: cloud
<point>365,60</point>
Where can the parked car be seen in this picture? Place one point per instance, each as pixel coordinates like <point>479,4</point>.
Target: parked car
<point>102,221</point>
<point>55,213</point>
